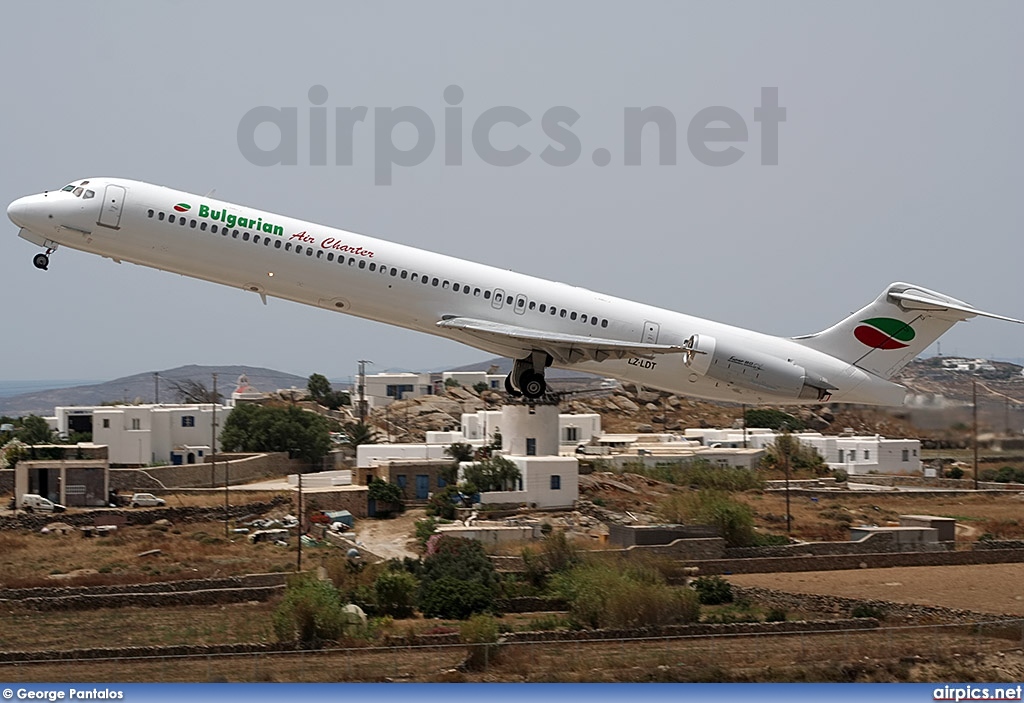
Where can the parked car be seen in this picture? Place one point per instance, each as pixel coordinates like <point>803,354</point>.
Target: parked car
<point>146,500</point>
<point>30,502</point>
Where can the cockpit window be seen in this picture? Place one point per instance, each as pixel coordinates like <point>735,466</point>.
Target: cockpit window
<point>78,192</point>
<point>88,194</point>
<point>68,188</point>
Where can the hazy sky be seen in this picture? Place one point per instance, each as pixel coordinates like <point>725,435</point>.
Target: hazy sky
<point>899,159</point>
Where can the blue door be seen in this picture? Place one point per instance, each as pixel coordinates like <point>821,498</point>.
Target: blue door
<point>422,487</point>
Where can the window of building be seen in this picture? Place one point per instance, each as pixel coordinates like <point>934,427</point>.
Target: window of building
<point>867,455</point>
<point>136,423</point>
<point>188,420</point>
<point>906,455</point>
<point>572,434</point>
<point>531,446</point>
<point>106,423</point>
<point>842,455</point>
<point>556,482</point>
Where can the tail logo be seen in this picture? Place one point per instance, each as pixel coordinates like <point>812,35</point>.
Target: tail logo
<point>884,333</point>
<point>182,207</point>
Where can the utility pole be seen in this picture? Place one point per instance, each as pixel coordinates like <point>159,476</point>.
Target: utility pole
<point>298,562</point>
<point>156,388</point>
<point>362,390</point>
<point>974,432</point>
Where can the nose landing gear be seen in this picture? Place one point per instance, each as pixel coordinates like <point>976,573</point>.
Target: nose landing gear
<point>41,261</point>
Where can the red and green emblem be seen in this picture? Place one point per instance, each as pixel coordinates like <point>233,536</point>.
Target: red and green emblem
<point>884,333</point>
<point>182,207</point>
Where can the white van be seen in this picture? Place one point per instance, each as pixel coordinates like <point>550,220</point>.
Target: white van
<point>31,502</point>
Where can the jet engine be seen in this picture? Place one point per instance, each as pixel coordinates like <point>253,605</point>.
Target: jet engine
<point>750,370</point>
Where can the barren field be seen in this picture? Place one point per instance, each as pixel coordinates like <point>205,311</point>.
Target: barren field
<point>987,588</point>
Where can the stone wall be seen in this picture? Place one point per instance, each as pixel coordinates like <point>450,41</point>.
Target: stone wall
<point>6,481</point>
<point>878,543</point>
<point>856,561</point>
<point>165,593</point>
<point>36,521</point>
<point>240,469</point>
<point>906,613</point>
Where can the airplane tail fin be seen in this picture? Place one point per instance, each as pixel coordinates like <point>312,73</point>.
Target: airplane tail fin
<point>885,335</point>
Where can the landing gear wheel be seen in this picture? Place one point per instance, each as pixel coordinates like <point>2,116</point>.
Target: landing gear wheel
<point>509,388</point>
<point>533,384</point>
<point>41,261</point>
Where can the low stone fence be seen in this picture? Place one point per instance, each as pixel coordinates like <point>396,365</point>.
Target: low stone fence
<point>139,516</point>
<point>165,593</point>
<point>239,469</point>
<point>856,561</point>
<point>878,543</point>
<point>907,613</point>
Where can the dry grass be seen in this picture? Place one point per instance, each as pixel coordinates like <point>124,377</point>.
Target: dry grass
<point>199,550</point>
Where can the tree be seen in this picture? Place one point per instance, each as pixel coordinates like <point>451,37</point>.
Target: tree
<point>458,580</point>
<point>35,430</point>
<point>357,433</point>
<point>259,428</point>
<point>494,474</point>
<point>459,452</point>
<point>396,593</point>
<point>318,387</point>
<point>190,390</point>
<point>386,493</point>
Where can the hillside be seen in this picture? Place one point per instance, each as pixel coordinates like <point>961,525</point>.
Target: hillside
<point>141,387</point>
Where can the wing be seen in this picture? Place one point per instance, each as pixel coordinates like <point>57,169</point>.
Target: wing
<point>563,348</point>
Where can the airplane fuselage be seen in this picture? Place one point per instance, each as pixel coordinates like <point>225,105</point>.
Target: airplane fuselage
<point>283,257</point>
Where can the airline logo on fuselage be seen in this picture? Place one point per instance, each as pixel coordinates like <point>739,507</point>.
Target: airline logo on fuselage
<point>257,224</point>
<point>222,215</point>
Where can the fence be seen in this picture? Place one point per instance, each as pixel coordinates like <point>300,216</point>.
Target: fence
<point>804,654</point>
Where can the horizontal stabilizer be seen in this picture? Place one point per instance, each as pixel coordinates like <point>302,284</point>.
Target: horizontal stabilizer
<point>917,301</point>
<point>563,348</point>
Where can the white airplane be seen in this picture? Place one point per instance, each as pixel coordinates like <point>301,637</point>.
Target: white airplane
<point>537,323</point>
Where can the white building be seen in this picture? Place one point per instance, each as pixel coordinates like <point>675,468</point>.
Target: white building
<point>141,435</point>
<point>573,430</point>
<point>857,455</point>
<point>382,389</point>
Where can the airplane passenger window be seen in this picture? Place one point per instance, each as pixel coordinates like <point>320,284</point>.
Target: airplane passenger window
<point>593,320</point>
<point>287,246</point>
<point>415,277</point>
<point>405,273</point>
<point>394,271</point>
<point>373,266</point>
<point>435,282</point>
<point>202,226</point>
<point>309,252</point>
<point>476,292</point>
<point>532,305</point>
<point>255,239</point>
<point>456,287</point>
<point>508,300</point>
<point>319,253</point>
<point>543,307</point>
<point>330,256</point>
<point>149,214</point>
<point>604,323</point>
<point>465,290</point>
<point>572,316</point>
<point>277,244</point>
<point>182,221</point>
<point>562,314</point>
<point>245,236</point>
<point>160,216</point>
<point>234,234</point>
<point>213,228</point>
<point>520,303</point>
<point>170,218</point>
<point>487,295</point>
<point>554,310</point>
<point>583,318</point>
<point>192,224</point>
<point>362,263</point>
<point>89,194</point>
<point>444,285</point>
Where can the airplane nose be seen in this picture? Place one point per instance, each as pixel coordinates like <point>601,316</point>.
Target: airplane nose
<point>18,211</point>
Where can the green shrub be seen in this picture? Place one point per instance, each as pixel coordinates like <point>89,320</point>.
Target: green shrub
<point>868,610</point>
<point>954,472</point>
<point>396,593</point>
<point>776,615</point>
<point>481,633</point>
<point>457,580</point>
<point>310,612</point>
<point>617,594</point>
<point>424,529</point>
<point>712,590</point>
<point>733,519</point>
